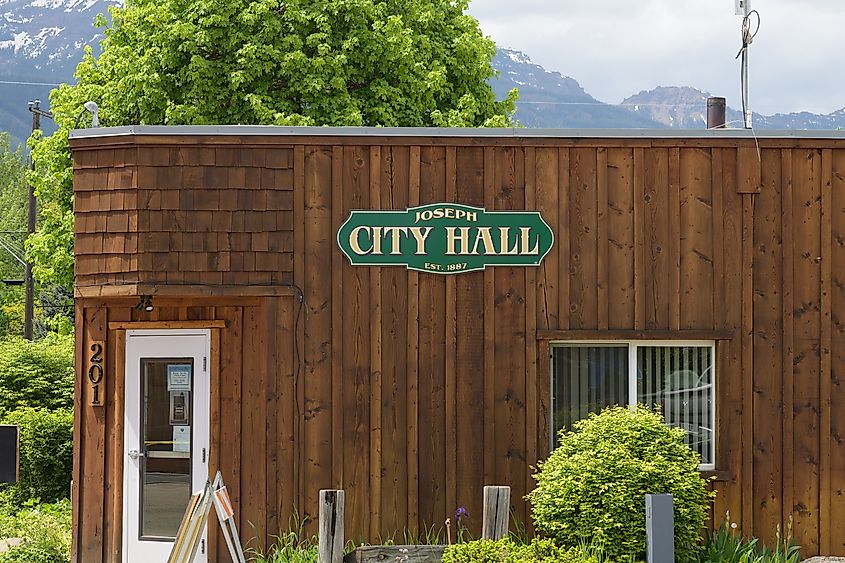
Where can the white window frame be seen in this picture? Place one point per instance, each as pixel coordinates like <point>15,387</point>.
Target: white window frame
<point>632,378</point>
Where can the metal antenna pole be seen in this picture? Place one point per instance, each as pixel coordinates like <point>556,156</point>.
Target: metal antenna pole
<point>747,117</point>
<point>743,8</point>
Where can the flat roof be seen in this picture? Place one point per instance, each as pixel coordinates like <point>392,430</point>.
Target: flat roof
<point>277,131</point>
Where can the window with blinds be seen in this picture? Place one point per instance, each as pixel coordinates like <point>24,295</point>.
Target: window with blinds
<point>677,377</point>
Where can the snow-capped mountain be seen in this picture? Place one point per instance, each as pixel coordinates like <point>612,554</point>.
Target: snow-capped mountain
<point>675,107</point>
<point>682,107</point>
<point>549,99</point>
<point>48,34</point>
<point>41,41</point>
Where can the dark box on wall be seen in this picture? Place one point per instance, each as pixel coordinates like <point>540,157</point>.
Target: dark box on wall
<point>9,453</point>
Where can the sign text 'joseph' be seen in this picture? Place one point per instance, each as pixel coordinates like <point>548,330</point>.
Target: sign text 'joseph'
<point>445,238</point>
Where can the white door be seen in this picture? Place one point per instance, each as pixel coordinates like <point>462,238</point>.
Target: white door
<point>165,438</point>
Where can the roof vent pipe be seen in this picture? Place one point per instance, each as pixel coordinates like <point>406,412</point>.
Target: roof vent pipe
<point>715,113</point>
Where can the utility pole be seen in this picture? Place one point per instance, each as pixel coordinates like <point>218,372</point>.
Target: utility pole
<point>29,311</point>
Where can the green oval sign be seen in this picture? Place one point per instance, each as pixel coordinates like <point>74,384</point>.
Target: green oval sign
<point>445,238</point>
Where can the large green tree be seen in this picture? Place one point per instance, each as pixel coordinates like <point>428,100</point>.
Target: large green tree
<point>294,62</point>
<point>13,196</point>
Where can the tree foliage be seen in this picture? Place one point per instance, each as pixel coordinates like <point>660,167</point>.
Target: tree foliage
<point>12,310</point>
<point>12,187</point>
<point>293,62</point>
<point>13,196</point>
<point>13,199</point>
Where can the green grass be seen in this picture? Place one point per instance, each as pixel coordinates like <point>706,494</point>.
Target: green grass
<point>726,546</point>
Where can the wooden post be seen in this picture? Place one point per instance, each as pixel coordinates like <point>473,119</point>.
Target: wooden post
<point>497,502</point>
<point>331,527</point>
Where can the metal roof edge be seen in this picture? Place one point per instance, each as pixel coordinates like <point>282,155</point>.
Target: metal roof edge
<point>279,131</point>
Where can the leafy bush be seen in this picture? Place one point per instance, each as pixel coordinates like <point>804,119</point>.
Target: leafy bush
<point>36,374</point>
<point>593,486</point>
<point>45,530</point>
<point>46,455</point>
<point>508,551</point>
<point>477,551</point>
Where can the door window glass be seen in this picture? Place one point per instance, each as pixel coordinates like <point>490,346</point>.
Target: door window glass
<point>165,467</point>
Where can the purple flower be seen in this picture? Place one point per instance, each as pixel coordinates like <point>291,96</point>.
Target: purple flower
<point>461,513</point>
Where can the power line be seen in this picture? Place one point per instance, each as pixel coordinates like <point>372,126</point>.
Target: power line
<point>20,83</point>
<point>12,253</point>
<point>702,105</point>
<point>13,244</point>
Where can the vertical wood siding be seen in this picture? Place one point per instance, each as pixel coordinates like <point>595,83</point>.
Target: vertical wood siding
<point>411,391</point>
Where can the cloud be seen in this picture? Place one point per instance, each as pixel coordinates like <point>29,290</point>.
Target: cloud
<point>616,48</point>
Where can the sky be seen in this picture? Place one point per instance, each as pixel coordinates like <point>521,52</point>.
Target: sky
<point>616,48</point>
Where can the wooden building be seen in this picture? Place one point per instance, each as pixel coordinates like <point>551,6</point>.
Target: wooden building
<point>209,280</point>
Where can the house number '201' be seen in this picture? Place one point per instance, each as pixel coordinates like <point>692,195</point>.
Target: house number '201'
<point>96,373</point>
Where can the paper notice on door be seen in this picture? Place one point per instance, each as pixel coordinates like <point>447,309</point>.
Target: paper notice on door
<point>179,377</point>
<point>181,438</point>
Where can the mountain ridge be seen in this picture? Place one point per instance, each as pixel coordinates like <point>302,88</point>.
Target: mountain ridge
<point>550,99</point>
<point>41,41</point>
<point>668,106</point>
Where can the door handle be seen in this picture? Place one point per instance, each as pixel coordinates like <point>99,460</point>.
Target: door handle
<point>135,454</point>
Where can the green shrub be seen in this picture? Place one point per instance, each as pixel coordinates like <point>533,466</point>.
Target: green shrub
<point>593,486</point>
<point>46,455</point>
<point>508,551</point>
<point>477,551</point>
<point>36,374</point>
<point>45,530</point>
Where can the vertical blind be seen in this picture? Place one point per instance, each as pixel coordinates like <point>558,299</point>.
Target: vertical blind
<point>586,379</point>
<point>678,379</point>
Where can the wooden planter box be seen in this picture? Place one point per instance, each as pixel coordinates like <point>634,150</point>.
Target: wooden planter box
<point>396,554</point>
